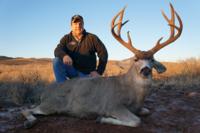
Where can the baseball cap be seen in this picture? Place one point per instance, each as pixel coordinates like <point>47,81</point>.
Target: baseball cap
<point>77,18</point>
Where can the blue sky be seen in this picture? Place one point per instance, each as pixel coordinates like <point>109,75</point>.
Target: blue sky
<point>33,28</point>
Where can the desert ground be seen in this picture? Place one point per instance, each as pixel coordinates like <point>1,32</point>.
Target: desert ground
<point>173,102</point>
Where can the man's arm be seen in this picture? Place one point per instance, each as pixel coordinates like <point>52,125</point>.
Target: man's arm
<point>60,50</point>
<point>102,54</point>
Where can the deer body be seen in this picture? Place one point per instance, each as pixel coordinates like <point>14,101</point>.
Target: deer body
<point>116,100</point>
<point>88,97</point>
<point>85,96</point>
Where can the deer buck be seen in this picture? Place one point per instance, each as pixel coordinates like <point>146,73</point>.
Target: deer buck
<point>116,100</point>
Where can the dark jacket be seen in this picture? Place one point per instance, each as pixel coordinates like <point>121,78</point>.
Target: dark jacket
<point>83,52</point>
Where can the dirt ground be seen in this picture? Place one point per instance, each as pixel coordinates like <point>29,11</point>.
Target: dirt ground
<point>172,111</point>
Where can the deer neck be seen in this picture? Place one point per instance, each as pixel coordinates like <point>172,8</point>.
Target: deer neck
<point>137,87</point>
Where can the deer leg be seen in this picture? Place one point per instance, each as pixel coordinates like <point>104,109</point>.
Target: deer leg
<point>122,117</point>
<point>144,111</point>
<point>29,115</point>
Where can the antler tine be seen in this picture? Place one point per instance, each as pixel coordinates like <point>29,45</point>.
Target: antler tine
<point>172,21</point>
<point>173,37</point>
<point>117,35</point>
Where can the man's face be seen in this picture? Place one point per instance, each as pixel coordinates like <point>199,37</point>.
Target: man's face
<point>77,27</point>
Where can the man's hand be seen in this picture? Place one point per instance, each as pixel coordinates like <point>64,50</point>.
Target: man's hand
<point>67,60</point>
<point>94,74</point>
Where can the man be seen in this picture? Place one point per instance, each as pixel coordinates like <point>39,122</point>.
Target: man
<point>75,55</point>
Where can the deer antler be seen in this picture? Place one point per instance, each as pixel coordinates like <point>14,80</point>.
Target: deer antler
<point>158,46</point>
<point>173,37</point>
<point>117,35</point>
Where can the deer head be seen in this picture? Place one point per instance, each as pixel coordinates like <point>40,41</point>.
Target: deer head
<point>144,60</point>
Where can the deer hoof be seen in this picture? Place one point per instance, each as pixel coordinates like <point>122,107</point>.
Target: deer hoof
<point>29,124</point>
<point>144,111</point>
<point>98,120</point>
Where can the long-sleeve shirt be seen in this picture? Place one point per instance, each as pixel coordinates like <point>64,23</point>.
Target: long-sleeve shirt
<point>83,53</point>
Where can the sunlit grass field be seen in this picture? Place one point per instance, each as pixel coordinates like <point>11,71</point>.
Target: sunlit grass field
<point>21,79</point>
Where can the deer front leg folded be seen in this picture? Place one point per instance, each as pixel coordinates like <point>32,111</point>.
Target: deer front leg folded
<point>122,116</point>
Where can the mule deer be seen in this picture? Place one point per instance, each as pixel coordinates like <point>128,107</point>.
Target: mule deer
<point>115,100</point>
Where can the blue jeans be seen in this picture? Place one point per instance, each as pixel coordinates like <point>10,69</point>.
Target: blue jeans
<point>63,72</point>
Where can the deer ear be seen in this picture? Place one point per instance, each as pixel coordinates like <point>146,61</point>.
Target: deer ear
<point>160,68</point>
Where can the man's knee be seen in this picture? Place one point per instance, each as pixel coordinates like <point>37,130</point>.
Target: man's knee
<point>57,61</point>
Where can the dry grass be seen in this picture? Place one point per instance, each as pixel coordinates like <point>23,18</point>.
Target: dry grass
<point>22,79</point>
<point>182,75</point>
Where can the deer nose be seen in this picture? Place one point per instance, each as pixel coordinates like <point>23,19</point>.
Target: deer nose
<point>146,71</point>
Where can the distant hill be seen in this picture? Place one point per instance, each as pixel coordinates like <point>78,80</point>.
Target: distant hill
<point>5,58</point>
<point>22,61</point>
